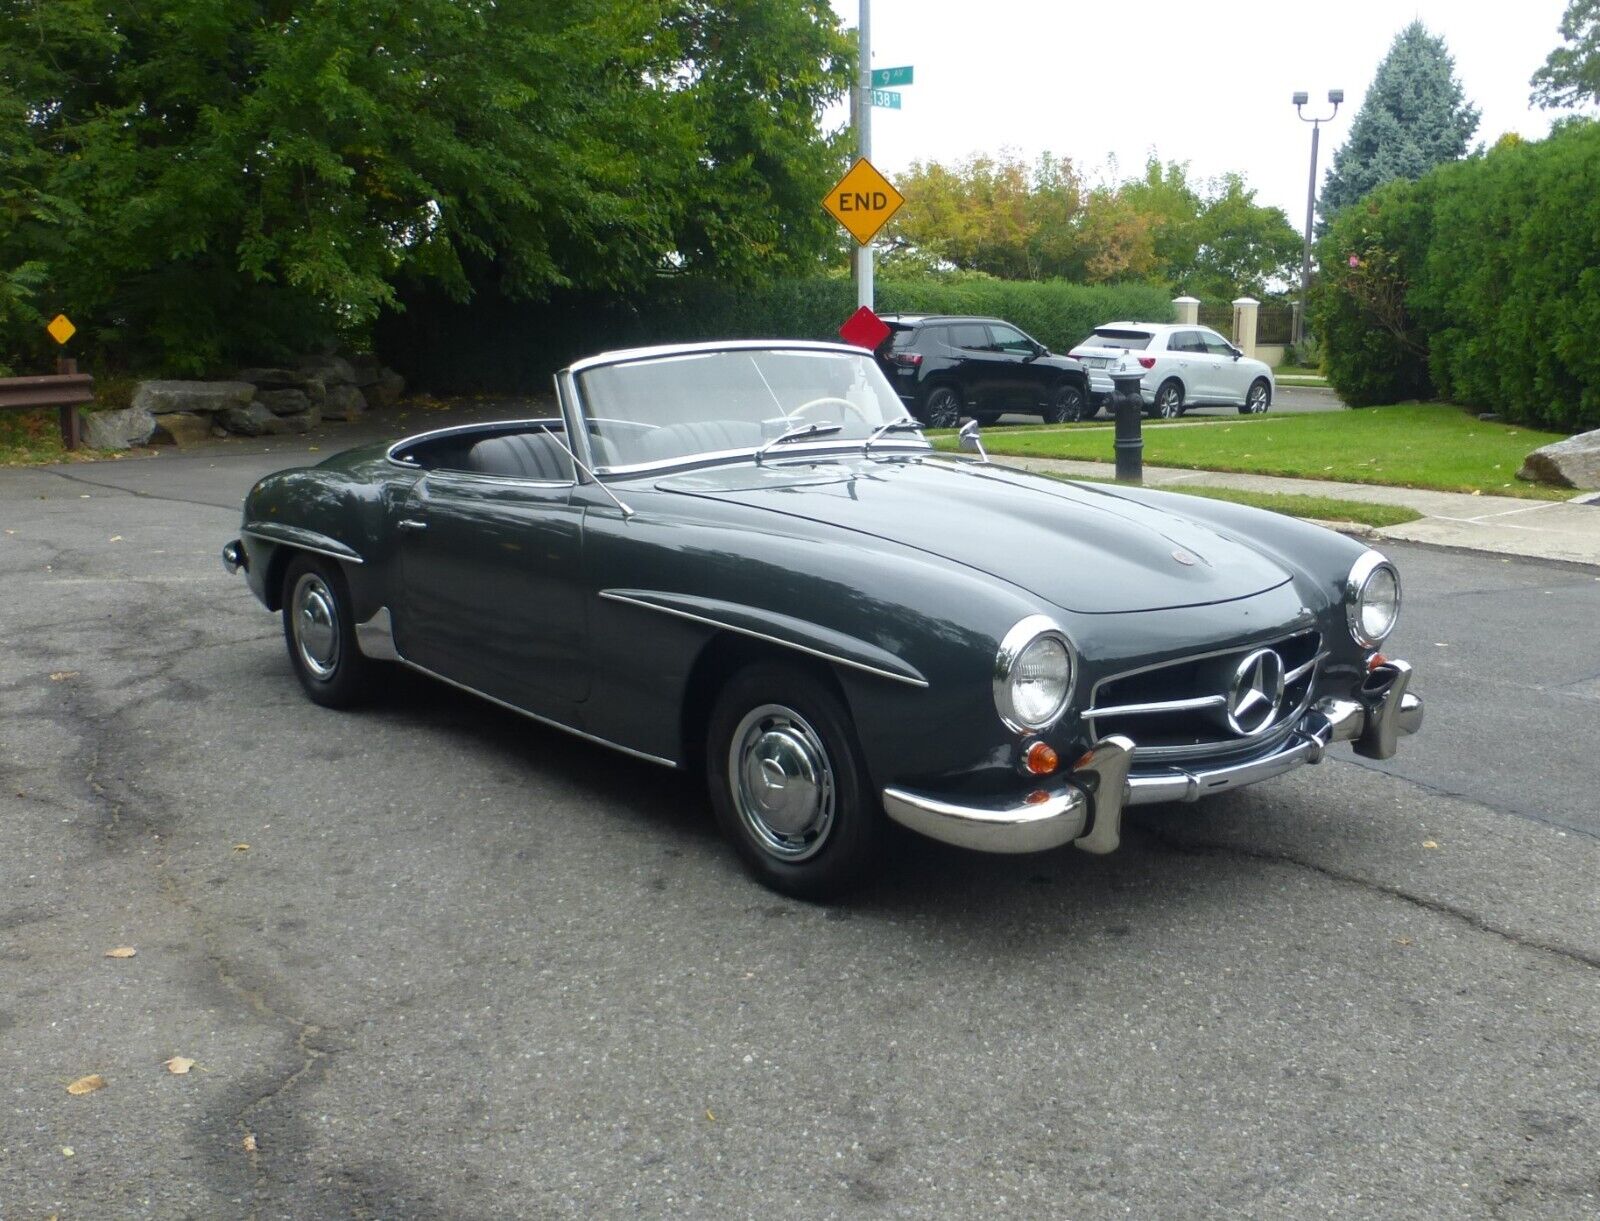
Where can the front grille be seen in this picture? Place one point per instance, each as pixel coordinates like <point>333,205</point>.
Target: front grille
<point>1178,710</point>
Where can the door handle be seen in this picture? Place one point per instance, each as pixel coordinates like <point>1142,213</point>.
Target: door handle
<point>410,523</point>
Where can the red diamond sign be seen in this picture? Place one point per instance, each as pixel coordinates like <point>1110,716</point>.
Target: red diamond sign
<point>864,329</point>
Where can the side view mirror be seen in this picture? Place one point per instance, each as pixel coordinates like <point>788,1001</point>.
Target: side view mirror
<point>971,440</point>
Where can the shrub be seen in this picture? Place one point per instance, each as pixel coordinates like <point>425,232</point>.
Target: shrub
<point>1480,281</point>
<point>513,347</point>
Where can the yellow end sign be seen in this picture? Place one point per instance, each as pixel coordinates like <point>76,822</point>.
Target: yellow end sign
<point>863,201</point>
<point>61,328</point>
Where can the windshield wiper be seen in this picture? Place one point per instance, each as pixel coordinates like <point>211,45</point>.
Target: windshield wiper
<point>904,424</point>
<point>798,434</point>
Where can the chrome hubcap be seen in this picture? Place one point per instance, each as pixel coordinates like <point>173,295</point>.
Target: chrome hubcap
<point>1258,400</point>
<point>316,625</point>
<point>782,782</point>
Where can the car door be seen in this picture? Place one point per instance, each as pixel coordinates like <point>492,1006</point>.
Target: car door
<point>492,595</point>
<point>984,373</point>
<point>1229,378</point>
<point>1179,362</point>
<point>1026,378</point>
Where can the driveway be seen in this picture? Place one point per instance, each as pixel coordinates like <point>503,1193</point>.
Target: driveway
<point>431,960</point>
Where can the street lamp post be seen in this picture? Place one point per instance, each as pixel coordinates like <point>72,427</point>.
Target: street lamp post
<point>1300,99</point>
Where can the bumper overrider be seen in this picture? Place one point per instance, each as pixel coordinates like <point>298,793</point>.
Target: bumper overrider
<point>1087,811</point>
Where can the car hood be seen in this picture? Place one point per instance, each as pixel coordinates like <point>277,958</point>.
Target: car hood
<point>1081,547</point>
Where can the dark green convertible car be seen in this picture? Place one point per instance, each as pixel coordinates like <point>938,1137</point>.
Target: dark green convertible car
<point>744,559</point>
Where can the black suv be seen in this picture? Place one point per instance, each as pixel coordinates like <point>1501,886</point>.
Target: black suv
<point>944,367</point>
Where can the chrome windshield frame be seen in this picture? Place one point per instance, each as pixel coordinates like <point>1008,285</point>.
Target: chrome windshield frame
<point>574,409</point>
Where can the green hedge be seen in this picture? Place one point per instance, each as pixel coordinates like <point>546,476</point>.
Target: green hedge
<point>495,346</point>
<point>1492,266</point>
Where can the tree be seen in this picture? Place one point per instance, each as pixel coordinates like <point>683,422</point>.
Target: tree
<point>1413,118</point>
<point>1571,75</point>
<point>1240,245</point>
<point>239,177</point>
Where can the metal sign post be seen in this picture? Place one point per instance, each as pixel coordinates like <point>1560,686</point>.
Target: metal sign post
<point>864,285</point>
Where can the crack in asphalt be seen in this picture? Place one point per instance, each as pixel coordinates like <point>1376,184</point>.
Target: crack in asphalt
<point>112,487</point>
<point>1437,906</point>
<point>1482,803</point>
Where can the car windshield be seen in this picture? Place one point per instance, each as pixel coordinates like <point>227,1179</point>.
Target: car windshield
<point>675,407</point>
<point>1128,341</point>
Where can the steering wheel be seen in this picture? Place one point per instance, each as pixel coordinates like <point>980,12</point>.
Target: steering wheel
<point>830,400</point>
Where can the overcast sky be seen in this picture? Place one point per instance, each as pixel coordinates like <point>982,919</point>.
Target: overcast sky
<point>1204,83</point>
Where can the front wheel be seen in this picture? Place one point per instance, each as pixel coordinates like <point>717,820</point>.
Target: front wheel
<point>942,408</point>
<point>1066,406</point>
<point>1169,400</point>
<point>788,784</point>
<point>1257,399</point>
<point>320,631</point>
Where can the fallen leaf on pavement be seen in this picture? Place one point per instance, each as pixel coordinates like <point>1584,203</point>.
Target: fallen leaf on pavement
<point>1428,843</point>
<point>116,538</point>
<point>249,1142</point>
<point>86,1085</point>
<point>122,951</point>
<point>241,847</point>
<point>68,1151</point>
<point>1402,941</point>
<point>62,675</point>
<point>178,1065</point>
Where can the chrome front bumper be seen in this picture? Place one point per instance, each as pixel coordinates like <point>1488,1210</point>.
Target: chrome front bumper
<point>1088,811</point>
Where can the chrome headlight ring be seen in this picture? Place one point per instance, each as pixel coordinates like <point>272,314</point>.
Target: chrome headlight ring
<point>1371,577</point>
<point>1041,633</point>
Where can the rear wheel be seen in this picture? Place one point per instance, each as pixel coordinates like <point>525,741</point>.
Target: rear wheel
<point>1257,399</point>
<point>788,784</point>
<point>942,408</point>
<point>1066,406</point>
<point>1168,404</point>
<point>320,632</point>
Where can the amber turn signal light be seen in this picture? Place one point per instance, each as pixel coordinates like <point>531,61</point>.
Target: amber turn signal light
<point>1040,759</point>
<point>1036,798</point>
<point>1376,660</point>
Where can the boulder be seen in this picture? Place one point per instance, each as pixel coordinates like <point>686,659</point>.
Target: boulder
<point>343,403</point>
<point>273,379</point>
<point>117,429</point>
<point>284,402</point>
<point>1573,463</point>
<point>305,421</point>
<point>368,368</point>
<point>315,390</point>
<point>333,370</point>
<point>161,397</point>
<point>184,428</point>
<point>386,391</point>
<point>251,420</point>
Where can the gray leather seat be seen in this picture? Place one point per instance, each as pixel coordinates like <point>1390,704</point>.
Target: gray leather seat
<point>522,455</point>
<point>701,436</point>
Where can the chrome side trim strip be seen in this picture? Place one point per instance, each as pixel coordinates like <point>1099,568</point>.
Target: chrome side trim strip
<point>285,536</point>
<point>375,637</point>
<point>543,720</point>
<point>612,596</point>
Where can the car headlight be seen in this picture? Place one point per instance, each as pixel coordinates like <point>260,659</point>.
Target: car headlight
<point>1033,674</point>
<point>1372,599</point>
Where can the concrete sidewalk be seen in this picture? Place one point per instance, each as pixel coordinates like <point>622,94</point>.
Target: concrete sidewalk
<point>1503,525</point>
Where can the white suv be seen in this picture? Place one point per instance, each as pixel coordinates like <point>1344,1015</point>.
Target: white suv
<point>1184,366</point>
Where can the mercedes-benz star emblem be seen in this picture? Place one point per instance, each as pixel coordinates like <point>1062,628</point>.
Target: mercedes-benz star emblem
<point>1255,692</point>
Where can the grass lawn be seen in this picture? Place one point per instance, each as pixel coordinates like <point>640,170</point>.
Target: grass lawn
<point>28,438</point>
<point>1317,508</point>
<point>1418,445</point>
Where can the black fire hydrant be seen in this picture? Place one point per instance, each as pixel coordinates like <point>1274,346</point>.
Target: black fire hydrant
<point>1129,406</point>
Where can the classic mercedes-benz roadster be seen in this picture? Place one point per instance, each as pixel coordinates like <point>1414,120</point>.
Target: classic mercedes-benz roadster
<point>743,558</point>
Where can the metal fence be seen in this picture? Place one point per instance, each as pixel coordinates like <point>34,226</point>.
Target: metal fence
<point>1275,323</point>
<point>1218,315</point>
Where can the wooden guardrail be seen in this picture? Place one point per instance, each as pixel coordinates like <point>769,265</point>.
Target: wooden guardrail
<point>64,391</point>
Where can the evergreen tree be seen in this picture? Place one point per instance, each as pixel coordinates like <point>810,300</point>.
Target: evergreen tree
<point>1571,75</point>
<point>1413,118</point>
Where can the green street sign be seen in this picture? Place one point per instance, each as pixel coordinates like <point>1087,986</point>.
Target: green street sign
<point>885,78</point>
<point>885,99</point>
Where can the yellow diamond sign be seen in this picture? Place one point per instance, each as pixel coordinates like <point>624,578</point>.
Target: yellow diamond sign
<point>61,328</point>
<point>863,201</point>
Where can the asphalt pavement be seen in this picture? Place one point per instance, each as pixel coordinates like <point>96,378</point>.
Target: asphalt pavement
<point>431,960</point>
